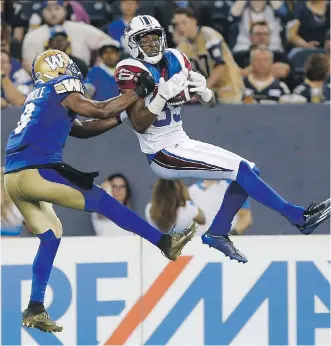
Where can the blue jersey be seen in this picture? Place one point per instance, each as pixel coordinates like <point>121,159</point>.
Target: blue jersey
<point>101,81</point>
<point>44,126</point>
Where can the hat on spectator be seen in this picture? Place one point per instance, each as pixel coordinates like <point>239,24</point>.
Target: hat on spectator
<point>57,30</point>
<point>108,43</point>
<point>45,3</point>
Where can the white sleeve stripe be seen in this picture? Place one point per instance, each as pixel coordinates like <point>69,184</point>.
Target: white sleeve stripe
<point>132,62</point>
<point>213,42</point>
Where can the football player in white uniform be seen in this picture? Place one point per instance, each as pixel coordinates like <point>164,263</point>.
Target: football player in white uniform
<point>156,120</point>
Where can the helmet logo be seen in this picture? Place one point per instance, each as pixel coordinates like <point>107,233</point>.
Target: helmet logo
<point>55,61</point>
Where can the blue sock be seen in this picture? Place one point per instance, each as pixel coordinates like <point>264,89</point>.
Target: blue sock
<point>43,264</point>
<point>102,203</point>
<point>234,198</point>
<point>256,188</point>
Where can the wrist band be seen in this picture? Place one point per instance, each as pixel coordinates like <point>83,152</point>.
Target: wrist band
<point>157,105</point>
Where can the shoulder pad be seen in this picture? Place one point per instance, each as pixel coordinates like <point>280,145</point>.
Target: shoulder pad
<point>65,84</point>
<point>126,73</point>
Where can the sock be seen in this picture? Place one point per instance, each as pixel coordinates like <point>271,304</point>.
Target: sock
<point>234,198</point>
<point>104,204</point>
<point>263,193</point>
<point>42,266</point>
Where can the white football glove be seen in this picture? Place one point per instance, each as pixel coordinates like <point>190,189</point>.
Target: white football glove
<point>168,89</point>
<point>173,86</point>
<point>198,84</point>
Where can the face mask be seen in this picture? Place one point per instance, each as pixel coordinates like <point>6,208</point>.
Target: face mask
<point>182,4</point>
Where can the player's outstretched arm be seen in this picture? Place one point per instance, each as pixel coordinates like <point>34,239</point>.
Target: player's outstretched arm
<point>92,128</point>
<point>198,84</point>
<point>79,104</point>
<point>142,117</point>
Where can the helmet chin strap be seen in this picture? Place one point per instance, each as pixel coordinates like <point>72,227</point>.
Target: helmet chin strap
<point>151,59</point>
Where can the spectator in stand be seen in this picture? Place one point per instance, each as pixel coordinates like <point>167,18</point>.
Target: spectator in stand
<point>165,11</point>
<point>9,43</point>
<point>10,94</point>
<point>210,55</point>
<point>249,12</point>
<point>314,89</point>
<point>311,23</point>
<point>261,85</point>
<point>260,34</point>
<point>59,40</point>
<point>116,28</point>
<point>19,77</point>
<point>208,195</point>
<point>171,208</point>
<point>74,9</point>
<point>100,81</point>
<point>84,37</point>
<point>118,186</point>
<point>11,219</point>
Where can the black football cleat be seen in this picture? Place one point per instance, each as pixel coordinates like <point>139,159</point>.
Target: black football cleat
<point>41,321</point>
<point>314,215</point>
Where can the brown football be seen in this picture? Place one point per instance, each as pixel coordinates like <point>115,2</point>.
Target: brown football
<point>182,98</point>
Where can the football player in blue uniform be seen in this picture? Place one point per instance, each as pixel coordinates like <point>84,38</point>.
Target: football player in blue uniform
<point>36,177</point>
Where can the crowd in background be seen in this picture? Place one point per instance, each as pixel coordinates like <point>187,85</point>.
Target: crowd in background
<point>249,51</point>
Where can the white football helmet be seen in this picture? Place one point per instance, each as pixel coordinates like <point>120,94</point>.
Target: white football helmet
<point>141,25</point>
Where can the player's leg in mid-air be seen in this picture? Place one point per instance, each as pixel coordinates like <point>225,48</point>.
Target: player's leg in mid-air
<point>205,161</point>
<point>33,191</point>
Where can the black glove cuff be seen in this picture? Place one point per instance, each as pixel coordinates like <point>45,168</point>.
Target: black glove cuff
<point>140,91</point>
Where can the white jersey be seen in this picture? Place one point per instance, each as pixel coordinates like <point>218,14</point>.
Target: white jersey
<point>167,129</point>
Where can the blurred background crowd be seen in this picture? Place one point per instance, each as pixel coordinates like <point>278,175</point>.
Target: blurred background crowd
<point>249,51</point>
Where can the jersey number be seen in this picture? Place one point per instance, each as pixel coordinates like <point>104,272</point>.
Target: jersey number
<point>25,117</point>
<point>167,120</point>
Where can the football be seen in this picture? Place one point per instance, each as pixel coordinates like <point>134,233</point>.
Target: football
<point>182,98</point>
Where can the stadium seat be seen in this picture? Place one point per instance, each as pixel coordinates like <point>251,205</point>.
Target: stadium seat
<point>100,12</point>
